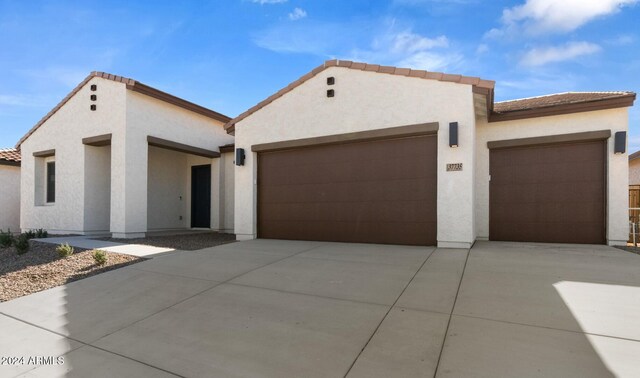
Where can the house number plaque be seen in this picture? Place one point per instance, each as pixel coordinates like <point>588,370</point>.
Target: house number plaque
<point>451,167</point>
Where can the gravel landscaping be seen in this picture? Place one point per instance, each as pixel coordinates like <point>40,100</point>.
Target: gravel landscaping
<point>184,242</point>
<point>629,248</point>
<point>41,268</point>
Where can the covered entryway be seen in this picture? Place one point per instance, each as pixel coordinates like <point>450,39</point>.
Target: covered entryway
<point>380,191</point>
<point>549,193</point>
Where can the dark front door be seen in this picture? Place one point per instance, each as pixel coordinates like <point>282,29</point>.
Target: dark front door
<point>201,196</point>
<point>367,192</point>
<point>551,193</point>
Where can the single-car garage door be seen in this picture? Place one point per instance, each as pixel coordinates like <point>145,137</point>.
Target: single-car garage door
<point>551,193</point>
<point>380,191</point>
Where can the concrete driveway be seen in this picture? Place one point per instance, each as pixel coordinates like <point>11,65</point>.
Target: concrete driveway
<point>292,309</point>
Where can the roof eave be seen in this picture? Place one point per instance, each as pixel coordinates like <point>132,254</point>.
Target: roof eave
<point>560,109</point>
<point>135,86</point>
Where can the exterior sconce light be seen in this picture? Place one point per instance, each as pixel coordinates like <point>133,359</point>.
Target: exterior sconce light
<point>620,142</point>
<point>453,134</point>
<point>239,156</point>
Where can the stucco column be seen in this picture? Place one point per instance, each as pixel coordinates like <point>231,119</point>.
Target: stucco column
<point>246,189</point>
<point>217,193</point>
<point>129,162</point>
<point>456,189</point>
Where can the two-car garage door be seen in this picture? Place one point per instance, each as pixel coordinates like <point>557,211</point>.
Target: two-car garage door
<point>381,191</point>
<point>549,193</point>
<point>385,191</point>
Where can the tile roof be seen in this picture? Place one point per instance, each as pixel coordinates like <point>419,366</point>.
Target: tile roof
<point>485,86</point>
<point>556,100</point>
<point>634,155</point>
<point>134,86</point>
<point>10,155</point>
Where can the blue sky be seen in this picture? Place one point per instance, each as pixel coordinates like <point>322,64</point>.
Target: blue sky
<point>229,55</point>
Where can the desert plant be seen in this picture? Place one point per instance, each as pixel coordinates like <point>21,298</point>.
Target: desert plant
<point>22,244</point>
<point>100,257</point>
<point>41,234</point>
<point>64,250</point>
<point>28,234</point>
<point>6,239</point>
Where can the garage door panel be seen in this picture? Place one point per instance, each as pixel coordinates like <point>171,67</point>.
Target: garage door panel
<point>392,190</point>
<point>392,149</point>
<point>377,192</point>
<point>412,211</point>
<point>401,233</point>
<point>551,193</point>
<point>364,170</point>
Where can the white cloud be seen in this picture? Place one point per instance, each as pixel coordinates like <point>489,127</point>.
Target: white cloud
<point>482,48</point>
<point>407,42</point>
<point>297,14</point>
<point>553,16</point>
<point>411,50</point>
<point>352,41</point>
<point>568,51</point>
<point>262,2</point>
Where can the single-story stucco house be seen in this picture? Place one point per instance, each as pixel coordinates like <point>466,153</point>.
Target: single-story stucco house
<point>359,152</point>
<point>350,152</point>
<point>9,189</point>
<point>118,156</point>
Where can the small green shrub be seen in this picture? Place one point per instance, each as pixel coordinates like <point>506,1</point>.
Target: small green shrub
<point>29,234</point>
<point>22,244</point>
<point>100,257</point>
<point>64,250</point>
<point>41,234</point>
<point>6,239</point>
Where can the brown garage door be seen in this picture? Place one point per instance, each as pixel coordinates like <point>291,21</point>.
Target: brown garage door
<point>552,193</point>
<point>369,192</point>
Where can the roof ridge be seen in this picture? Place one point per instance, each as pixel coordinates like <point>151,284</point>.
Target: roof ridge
<point>486,85</point>
<point>563,93</point>
<point>132,85</point>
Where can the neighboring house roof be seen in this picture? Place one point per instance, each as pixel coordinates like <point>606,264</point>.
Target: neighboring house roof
<point>9,156</point>
<point>134,86</point>
<point>560,103</point>
<point>480,86</point>
<point>634,155</point>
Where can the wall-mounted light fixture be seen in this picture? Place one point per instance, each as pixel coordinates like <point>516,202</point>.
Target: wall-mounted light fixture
<point>620,142</point>
<point>453,134</point>
<point>239,156</point>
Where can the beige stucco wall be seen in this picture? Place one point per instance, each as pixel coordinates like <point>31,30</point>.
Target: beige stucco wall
<point>64,132</point>
<point>634,172</point>
<point>367,101</point>
<point>617,172</point>
<point>97,188</point>
<point>167,200</point>
<point>9,198</point>
<point>130,117</point>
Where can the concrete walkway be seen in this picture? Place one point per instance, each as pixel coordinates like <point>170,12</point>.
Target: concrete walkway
<point>88,243</point>
<point>291,309</point>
